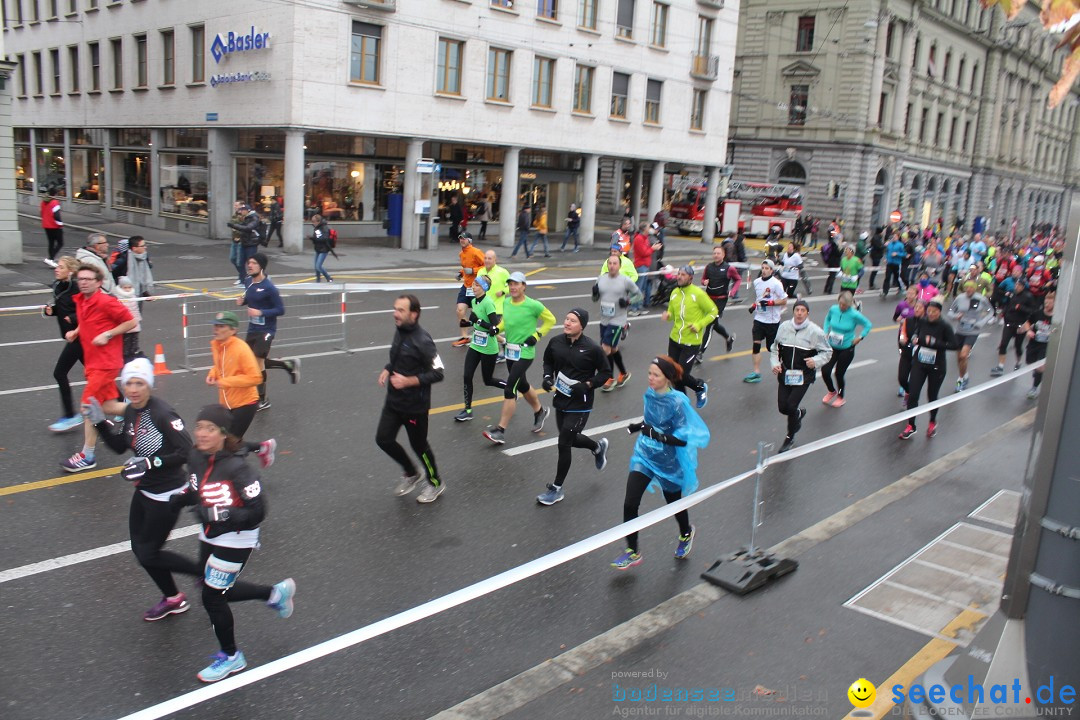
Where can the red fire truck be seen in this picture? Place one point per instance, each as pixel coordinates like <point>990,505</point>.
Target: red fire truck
<point>754,208</point>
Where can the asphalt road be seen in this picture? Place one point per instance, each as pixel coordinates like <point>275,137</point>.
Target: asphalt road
<point>77,647</point>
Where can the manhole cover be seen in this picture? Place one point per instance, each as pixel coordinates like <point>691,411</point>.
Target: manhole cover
<point>191,257</point>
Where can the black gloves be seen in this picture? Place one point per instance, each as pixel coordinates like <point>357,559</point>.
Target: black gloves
<point>182,500</point>
<point>135,469</point>
<point>465,323</point>
<point>530,341</point>
<point>595,292</point>
<point>623,302</point>
<point>472,317</point>
<point>634,427</point>
<point>579,389</point>
<point>548,383</point>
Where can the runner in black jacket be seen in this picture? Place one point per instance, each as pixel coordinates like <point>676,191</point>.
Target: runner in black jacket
<point>933,337</point>
<point>574,367</point>
<point>1018,307</point>
<point>160,443</point>
<point>63,309</point>
<point>414,366</point>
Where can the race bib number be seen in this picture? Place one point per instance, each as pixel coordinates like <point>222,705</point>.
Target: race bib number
<point>221,574</point>
<point>927,356</point>
<point>967,325</point>
<point>607,309</point>
<point>469,292</point>
<point>793,377</point>
<point>852,279</point>
<point>836,339</point>
<point>480,338</point>
<point>562,384</point>
<point>1042,332</point>
<point>257,320</point>
<point>513,352</point>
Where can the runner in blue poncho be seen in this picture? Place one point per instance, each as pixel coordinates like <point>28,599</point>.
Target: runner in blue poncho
<point>665,454</point>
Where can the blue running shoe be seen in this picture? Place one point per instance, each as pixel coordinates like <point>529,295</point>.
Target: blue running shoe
<point>703,396</point>
<point>552,495</point>
<point>685,543</point>
<point>223,666</point>
<point>67,423</point>
<point>627,560</point>
<point>752,378</point>
<point>285,590</point>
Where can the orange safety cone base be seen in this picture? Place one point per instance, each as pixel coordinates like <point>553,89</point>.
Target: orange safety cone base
<point>160,368</point>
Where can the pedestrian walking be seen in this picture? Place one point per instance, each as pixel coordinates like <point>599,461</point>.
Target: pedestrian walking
<point>133,262</point>
<point>541,227</point>
<point>456,214</point>
<point>523,226</point>
<point>52,223</point>
<point>62,307</point>
<point>483,216</point>
<point>573,223</point>
<point>277,217</point>
<point>264,307</point>
<point>321,243</point>
<point>250,237</point>
<point>95,253</point>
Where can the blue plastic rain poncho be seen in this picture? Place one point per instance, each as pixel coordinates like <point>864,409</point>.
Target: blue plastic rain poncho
<point>673,468</point>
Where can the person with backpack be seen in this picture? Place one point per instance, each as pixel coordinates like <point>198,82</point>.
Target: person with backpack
<point>277,217</point>
<point>320,240</point>
<point>251,237</point>
<point>830,254</point>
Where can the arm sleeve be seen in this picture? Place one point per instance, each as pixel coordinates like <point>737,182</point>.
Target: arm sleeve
<point>549,360</point>
<point>634,292</point>
<point>603,372</point>
<point>827,325</point>
<point>278,308</point>
<point>707,307</point>
<point>434,372</point>
<point>117,442</point>
<point>179,441</point>
<point>864,322</point>
<point>248,374</point>
<point>253,510</point>
<point>824,351</point>
<point>774,354</point>
<point>736,280</point>
<point>547,321</point>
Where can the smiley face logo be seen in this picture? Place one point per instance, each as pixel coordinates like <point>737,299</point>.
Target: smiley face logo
<point>862,693</point>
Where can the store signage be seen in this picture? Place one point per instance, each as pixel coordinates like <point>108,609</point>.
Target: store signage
<point>231,42</point>
<point>424,165</point>
<point>239,77</point>
<point>211,117</point>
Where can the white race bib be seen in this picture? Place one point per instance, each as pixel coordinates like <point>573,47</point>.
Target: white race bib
<point>849,279</point>
<point>563,384</point>
<point>836,339</point>
<point>257,320</point>
<point>469,292</point>
<point>479,338</point>
<point>513,352</point>
<point>793,377</point>
<point>927,356</point>
<point>607,309</point>
<point>1042,332</point>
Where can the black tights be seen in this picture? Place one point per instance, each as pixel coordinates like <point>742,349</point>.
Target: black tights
<point>636,482</point>
<point>242,417</point>
<point>416,427</point>
<point>616,359</point>
<point>217,601</point>
<point>149,525</point>
<point>487,371</point>
<point>570,426</point>
<point>788,398</point>
<point>903,371</point>
<point>71,354</point>
<point>840,360</point>
<point>933,378</point>
<point>686,356</point>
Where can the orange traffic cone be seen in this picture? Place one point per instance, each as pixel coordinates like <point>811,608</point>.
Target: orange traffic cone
<point>160,368</point>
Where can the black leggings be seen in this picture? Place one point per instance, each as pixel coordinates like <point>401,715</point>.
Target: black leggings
<point>1036,351</point>
<point>71,354</point>
<point>840,360</point>
<point>721,303</point>
<point>242,418</point>
<point>933,378</point>
<point>416,427</point>
<point>1010,333</point>
<point>892,272</point>
<point>55,237</point>
<point>791,285</point>
<point>687,356</point>
<point>217,601</point>
<point>636,483</point>
<point>149,525</point>
<point>903,371</point>
<point>515,378</point>
<point>788,398</point>
<point>570,427</point>
<point>487,371</point>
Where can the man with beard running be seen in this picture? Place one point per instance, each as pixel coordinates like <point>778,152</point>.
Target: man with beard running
<point>720,280</point>
<point>690,311</point>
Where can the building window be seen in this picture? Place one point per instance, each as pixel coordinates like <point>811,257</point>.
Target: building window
<point>931,62</point>
<point>86,174</point>
<point>967,134</point>
<point>960,72</point>
<point>141,73</point>
<point>117,45</point>
<point>21,60</point>
<point>624,20</point>
<point>697,109</point>
<point>907,120</point>
<point>587,14</point>
<point>952,133</point>
<point>543,77</point>
<point>39,87</point>
<point>168,57</point>
<point>620,92</point>
<point>704,36</point>
<point>73,7</point>
<point>54,9</point>
<point>937,128</point>
<point>974,75</point>
<point>95,67</point>
<point>498,84</point>
<point>883,103</point>
<point>800,96</point>
<point>73,61</point>
<point>448,73</point>
<point>804,41</point>
<point>945,67</point>
<point>54,58</point>
<point>35,11</point>
<point>18,12</point>
<point>548,9</point>
<point>658,25</point>
<point>583,82</point>
<point>889,39</point>
<point>365,54</point>
<point>198,53</point>
<point>52,170</point>
<point>924,121</point>
<point>508,4</point>
<point>653,91</point>
<point>91,4</point>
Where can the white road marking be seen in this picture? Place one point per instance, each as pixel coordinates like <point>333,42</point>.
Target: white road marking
<point>365,312</point>
<point>31,342</point>
<point>550,442</point>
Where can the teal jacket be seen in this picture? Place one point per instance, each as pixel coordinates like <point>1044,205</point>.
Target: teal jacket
<point>840,327</point>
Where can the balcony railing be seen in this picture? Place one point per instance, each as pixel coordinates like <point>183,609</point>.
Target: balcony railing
<point>705,67</point>
<point>387,5</point>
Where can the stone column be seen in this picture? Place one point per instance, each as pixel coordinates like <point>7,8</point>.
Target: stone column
<point>508,200</point>
<point>877,76</point>
<point>588,200</point>
<point>220,144</point>
<point>712,191</point>
<point>410,193</point>
<point>903,87</point>
<point>11,246</point>
<point>157,140</point>
<point>293,225</point>
<point>635,192</point>
<point>69,191</point>
<point>656,189</point>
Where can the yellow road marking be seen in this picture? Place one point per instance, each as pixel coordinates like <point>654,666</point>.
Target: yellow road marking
<point>54,482</point>
<point>178,286</point>
<point>485,401</point>
<point>933,652</point>
<point>533,272</point>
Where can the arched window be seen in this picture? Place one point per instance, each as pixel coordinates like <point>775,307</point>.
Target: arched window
<point>792,173</point>
<point>916,182</point>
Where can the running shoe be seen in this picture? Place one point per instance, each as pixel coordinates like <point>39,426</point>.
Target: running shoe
<point>908,432</point>
<point>730,341</point>
<point>265,453</point>
<point>460,342</point>
<point>223,666</point>
<point>1016,367</point>
<point>50,262</point>
<point>79,462</point>
<point>293,368</point>
<point>839,402</point>
<point>539,418</point>
<point>787,444</point>
<point>1033,393</point>
<point>752,378</point>
<point>829,397</point>
<point>686,542</point>
<point>997,371</point>
<point>263,405</point>
<point>608,386</point>
<point>500,358</point>
<point>702,396</point>
<point>65,424</point>
<point>552,495</point>
<point>623,378</point>
<point>464,416</point>
<point>627,560</point>
<point>802,414</point>
<point>601,453</point>
<point>430,492</point>
<point>284,591</point>
<point>900,392</point>
<point>168,606</point>
<point>931,429</point>
<point>407,484</point>
<point>960,385</point>
<point>495,435</point>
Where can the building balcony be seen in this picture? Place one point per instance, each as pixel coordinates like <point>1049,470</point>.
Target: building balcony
<point>718,4</point>
<point>705,67</point>
<point>387,5</point>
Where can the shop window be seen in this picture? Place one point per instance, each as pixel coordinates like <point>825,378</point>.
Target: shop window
<point>87,174</point>
<point>51,170</point>
<point>364,64</point>
<point>697,109</point>
<point>131,137</point>
<point>168,57</point>
<point>804,40</point>
<point>653,92</point>
<point>799,99</point>
<point>448,71</point>
<point>24,179</point>
<point>95,67</point>
<point>658,25</point>
<point>498,79</point>
<point>583,83</point>
<point>335,190</point>
<point>184,181</point>
<point>543,78</point>
<point>587,14</point>
<point>620,93</point>
<point>260,141</point>
<point>259,180</point>
<point>198,53</point>
<point>93,136</point>
<point>131,180</point>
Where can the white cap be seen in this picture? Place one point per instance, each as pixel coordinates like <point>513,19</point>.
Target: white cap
<point>863,235</point>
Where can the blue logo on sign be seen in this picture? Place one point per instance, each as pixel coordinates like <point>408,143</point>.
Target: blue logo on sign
<point>238,42</point>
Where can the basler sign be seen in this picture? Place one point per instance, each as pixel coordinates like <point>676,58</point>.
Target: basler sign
<point>226,44</point>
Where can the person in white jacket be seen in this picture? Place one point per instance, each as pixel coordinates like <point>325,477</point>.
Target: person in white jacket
<point>800,348</point>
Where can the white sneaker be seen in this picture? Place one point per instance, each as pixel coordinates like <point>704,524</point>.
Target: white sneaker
<point>50,262</point>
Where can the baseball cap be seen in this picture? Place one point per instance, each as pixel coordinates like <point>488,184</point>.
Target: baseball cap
<point>770,263</point>
<point>227,317</point>
<point>517,277</point>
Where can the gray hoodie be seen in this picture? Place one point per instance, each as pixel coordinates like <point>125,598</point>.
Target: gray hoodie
<point>970,313</point>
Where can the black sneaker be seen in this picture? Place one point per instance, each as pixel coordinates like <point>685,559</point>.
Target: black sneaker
<point>464,416</point>
<point>601,453</point>
<point>293,367</point>
<point>730,342</point>
<point>539,418</point>
<point>788,442</point>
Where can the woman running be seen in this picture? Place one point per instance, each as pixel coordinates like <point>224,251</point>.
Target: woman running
<point>791,263</point>
<point>228,499</point>
<point>160,444</point>
<point>64,290</point>
<point>1040,327</point>
<point>840,329</point>
<point>665,454</point>
<point>932,338</point>
<point>851,269</point>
